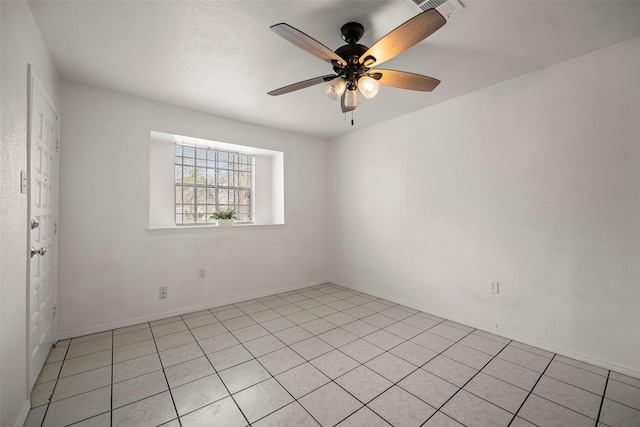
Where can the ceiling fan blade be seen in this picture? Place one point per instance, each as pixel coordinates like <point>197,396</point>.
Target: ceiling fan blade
<point>404,80</point>
<point>307,43</point>
<point>303,84</point>
<point>402,38</point>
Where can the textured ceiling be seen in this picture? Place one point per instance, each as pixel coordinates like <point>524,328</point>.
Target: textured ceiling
<point>220,56</point>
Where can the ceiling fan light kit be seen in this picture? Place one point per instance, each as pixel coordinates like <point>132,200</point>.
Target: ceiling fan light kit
<point>353,62</point>
<point>368,86</point>
<point>335,90</point>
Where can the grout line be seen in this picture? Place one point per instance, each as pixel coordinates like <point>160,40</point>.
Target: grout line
<point>111,385</point>
<point>604,393</point>
<point>50,399</point>
<point>531,392</point>
<point>219,378</point>
<point>583,369</point>
<point>464,385</point>
<point>175,408</point>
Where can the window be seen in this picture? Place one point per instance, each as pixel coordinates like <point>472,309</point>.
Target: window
<point>189,178</point>
<point>208,179</point>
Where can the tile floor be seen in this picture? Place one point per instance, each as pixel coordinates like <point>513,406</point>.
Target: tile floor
<point>323,355</point>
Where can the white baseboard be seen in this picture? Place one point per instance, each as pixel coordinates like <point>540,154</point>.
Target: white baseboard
<point>606,364</point>
<point>150,318</point>
<point>23,414</point>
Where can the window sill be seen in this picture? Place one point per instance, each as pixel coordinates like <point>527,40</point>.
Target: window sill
<point>186,229</point>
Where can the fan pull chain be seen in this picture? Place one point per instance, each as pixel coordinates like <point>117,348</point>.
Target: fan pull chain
<point>345,117</point>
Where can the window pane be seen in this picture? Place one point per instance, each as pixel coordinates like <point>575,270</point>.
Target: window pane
<point>223,177</point>
<point>223,156</point>
<point>188,219</point>
<point>178,219</point>
<point>211,177</point>
<point>201,153</point>
<point>178,194</point>
<point>177,160</point>
<point>178,174</point>
<point>189,174</point>
<point>188,209</point>
<point>201,176</point>
<point>189,152</point>
<point>178,150</point>
<point>189,161</point>
<point>178,208</point>
<point>201,162</point>
<point>223,196</point>
<point>244,197</point>
<point>188,195</point>
<point>202,196</point>
<point>244,180</point>
<point>211,196</point>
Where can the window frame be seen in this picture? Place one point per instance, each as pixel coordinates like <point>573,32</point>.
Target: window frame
<point>234,167</point>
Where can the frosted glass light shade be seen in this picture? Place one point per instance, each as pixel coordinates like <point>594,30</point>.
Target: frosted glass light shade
<point>368,86</point>
<point>335,90</point>
<point>351,99</point>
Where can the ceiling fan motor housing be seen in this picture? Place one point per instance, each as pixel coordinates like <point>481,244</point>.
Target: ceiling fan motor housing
<point>352,32</point>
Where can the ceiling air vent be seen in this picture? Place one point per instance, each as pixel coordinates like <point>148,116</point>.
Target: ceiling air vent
<point>445,7</point>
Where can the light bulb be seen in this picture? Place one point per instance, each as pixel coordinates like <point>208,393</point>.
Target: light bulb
<point>368,86</point>
<point>335,90</point>
<point>351,99</point>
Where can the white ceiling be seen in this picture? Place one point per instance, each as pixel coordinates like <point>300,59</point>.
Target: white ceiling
<point>220,56</point>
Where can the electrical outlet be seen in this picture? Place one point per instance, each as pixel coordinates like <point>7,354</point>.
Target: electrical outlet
<point>495,288</point>
<point>164,292</point>
<point>202,273</point>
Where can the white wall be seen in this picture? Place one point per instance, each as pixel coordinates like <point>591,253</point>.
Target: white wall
<point>534,182</point>
<point>21,44</point>
<point>111,267</point>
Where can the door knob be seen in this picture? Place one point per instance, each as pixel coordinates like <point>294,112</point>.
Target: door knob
<point>34,224</point>
<point>35,252</point>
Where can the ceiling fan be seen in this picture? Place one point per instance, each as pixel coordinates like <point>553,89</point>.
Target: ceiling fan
<point>353,62</point>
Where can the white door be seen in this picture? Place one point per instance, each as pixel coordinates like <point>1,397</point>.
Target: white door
<point>43,217</point>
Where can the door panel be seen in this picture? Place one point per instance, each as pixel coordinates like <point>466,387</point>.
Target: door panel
<point>43,185</point>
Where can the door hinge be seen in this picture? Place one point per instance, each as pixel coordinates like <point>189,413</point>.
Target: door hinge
<point>55,227</point>
<point>54,311</point>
